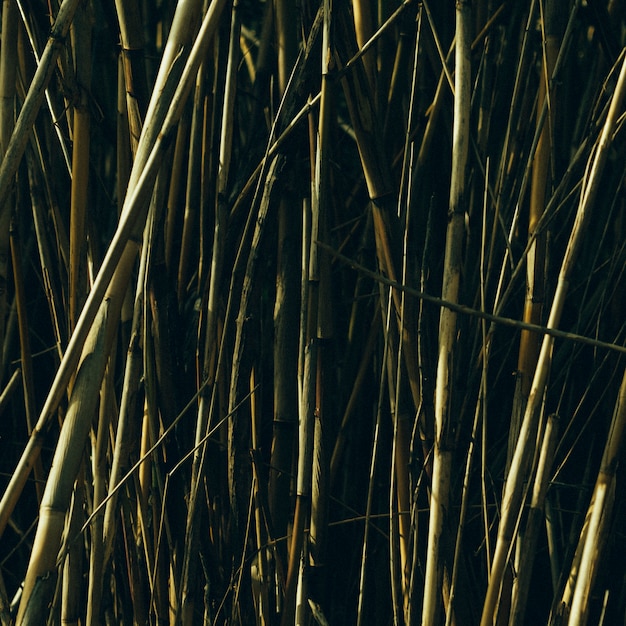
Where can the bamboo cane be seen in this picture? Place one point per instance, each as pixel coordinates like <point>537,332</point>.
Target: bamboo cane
<point>594,536</point>
<point>81,131</point>
<point>512,499</point>
<point>8,66</point>
<point>59,486</point>
<point>286,304</point>
<point>119,258</point>
<point>444,420</point>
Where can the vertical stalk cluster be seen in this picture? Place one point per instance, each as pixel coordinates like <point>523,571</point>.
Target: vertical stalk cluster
<point>293,334</point>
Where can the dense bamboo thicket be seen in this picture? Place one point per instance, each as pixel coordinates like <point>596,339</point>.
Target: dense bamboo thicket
<point>312,313</point>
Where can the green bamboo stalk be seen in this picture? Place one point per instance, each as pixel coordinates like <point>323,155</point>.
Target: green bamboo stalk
<point>444,420</point>
<point>513,496</point>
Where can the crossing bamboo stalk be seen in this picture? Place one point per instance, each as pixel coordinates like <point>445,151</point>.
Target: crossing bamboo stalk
<point>512,499</point>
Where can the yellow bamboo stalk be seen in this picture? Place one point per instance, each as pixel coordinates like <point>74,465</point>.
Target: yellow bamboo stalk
<point>67,459</point>
<point>172,87</point>
<point>81,36</point>
<point>99,445</point>
<point>133,60</point>
<point>513,488</point>
<point>594,536</point>
<point>444,420</point>
<point>12,157</point>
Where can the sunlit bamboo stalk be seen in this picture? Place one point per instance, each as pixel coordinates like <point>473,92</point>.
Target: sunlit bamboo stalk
<point>444,418</point>
<point>512,500</point>
<point>81,131</point>
<point>115,270</point>
<point>60,483</point>
<point>100,446</point>
<point>308,350</point>
<point>533,523</point>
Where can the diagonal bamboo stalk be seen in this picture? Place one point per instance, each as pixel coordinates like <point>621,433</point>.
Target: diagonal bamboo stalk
<point>593,541</point>
<point>512,500</point>
<point>59,486</point>
<point>16,146</point>
<point>533,523</point>
<point>166,107</point>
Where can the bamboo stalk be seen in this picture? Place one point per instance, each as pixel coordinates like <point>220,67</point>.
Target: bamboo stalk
<point>100,441</point>
<point>81,35</point>
<point>512,499</point>
<point>19,138</point>
<point>60,483</point>
<point>533,523</point>
<point>114,272</point>
<point>206,400</point>
<point>8,66</point>
<point>593,538</point>
<point>286,302</point>
<point>444,419</point>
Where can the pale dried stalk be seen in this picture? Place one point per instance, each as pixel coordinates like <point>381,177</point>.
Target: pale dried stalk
<point>167,103</point>
<point>34,99</point>
<point>81,132</point>
<point>513,490</point>
<point>190,560</point>
<point>444,427</point>
<point>521,587</point>
<point>12,157</point>
<point>597,525</point>
<point>100,446</point>
<point>65,465</point>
